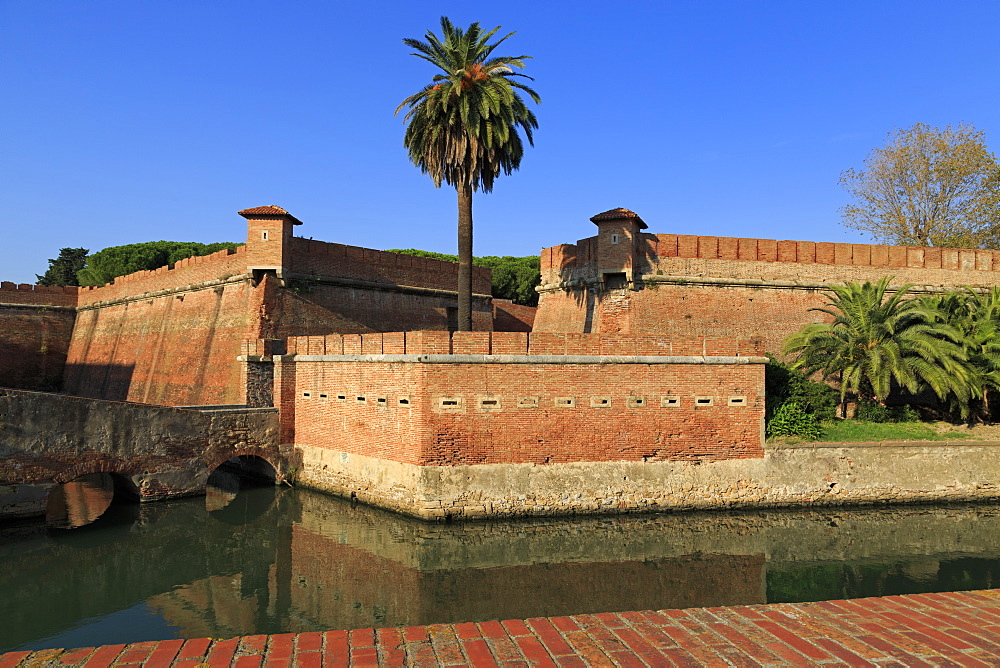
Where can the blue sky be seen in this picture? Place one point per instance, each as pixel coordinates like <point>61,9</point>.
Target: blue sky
<point>127,121</point>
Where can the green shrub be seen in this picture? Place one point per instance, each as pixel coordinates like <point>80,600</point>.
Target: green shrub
<point>790,420</point>
<point>783,383</point>
<point>872,411</point>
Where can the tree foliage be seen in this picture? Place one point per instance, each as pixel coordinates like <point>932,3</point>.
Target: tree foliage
<point>927,186</point>
<point>463,127</point>
<point>63,269</point>
<point>877,342</point>
<point>105,265</point>
<point>976,317</point>
<point>514,278</point>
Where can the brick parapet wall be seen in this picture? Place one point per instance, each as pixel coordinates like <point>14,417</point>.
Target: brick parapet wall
<point>38,295</point>
<point>511,317</point>
<point>510,343</point>
<point>730,257</point>
<point>365,264</point>
<point>216,267</point>
<point>458,412</point>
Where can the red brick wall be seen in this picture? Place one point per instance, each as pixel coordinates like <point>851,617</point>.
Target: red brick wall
<point>511,317</point>
<point>361,411</point>
<point>752,319</point>
<point>761,313</point>
<point>177,349</point>
<point>33,339</point>
<point>328,259</point>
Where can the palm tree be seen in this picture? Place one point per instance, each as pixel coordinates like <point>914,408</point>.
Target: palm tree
<point>976,317</point>
<point>877,341</point>
<point>463,126</point>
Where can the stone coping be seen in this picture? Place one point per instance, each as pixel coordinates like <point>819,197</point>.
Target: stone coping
<point>512,359</point>
<point>955,628</point>
<point>882,444</point>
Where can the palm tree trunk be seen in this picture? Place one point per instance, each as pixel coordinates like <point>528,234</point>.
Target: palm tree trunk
<point>464,258</point>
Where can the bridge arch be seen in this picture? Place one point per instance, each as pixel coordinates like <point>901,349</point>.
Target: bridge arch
<point>87,494</point>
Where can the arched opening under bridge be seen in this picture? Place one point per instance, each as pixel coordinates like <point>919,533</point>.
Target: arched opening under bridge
<point>241,488</point>
<point>89,498</point>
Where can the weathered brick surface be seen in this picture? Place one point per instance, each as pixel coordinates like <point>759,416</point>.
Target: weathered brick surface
<point>170,336</point>
<point>464,413</point>
<point>923,629</point>
<point>735,295</point>
<point>51,438</point>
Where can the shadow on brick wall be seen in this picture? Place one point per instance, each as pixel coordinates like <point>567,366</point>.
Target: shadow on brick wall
<point>99,381</point>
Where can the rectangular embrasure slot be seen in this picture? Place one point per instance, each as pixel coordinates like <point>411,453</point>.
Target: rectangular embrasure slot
<point>527,402</point>
<point>704,401</point>
<point>404,401</point>
<point>670,402</point>
<point>565,402</point>
<point>361,398</point>
<point>737,401</point>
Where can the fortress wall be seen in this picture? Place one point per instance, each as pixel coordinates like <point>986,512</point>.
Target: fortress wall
<point>506,343</point>
<point>36,324</point>
<point>219,266</point>
<point>174,349</point>
<point>757,291</point>
<point>511,317</point>
<point>316,308</point>
<point>329,259</point>
<point>428,399</point>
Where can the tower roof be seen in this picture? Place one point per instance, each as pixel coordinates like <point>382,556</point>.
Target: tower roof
<point>619,214</point>
<point>269,210</point>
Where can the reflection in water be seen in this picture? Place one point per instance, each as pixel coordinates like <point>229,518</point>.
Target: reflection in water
<point>79,502</point>
<point>292,560</point>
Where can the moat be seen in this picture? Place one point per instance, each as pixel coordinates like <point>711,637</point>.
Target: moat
<point>271,560</point>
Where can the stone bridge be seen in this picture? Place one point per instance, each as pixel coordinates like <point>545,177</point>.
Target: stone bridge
<point>153,452</point>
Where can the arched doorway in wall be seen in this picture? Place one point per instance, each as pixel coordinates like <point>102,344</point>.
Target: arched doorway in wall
<point>241,489</point>
<point>91,497</point>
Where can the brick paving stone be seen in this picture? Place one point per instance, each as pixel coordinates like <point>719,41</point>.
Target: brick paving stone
<point>104,656</point>
<point>309,660</point>
<point>943,629</point>
<point>534,651</point>
<point>248,661</point>
<point>466,630</point>
<point>163,655</point>
<point>550,637</point>
<point>479,653</point>
<point>336,649</point>
<point>516,627</point>
<point>70,658</point>
<point>253,644</point>
<point>446,644</point>
<point>11,659</point>
<point>491,629</point>
<point>221,652</point>
<point>305,642</point>
<point>194,648</point>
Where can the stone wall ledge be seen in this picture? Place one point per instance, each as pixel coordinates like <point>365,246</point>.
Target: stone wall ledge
<point>40,307</point>
<point>700,281</point>
<point>816,445</point>
<point>376,285</point>
<point>517,359</point>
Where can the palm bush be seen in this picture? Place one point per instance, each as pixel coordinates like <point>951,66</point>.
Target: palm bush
<point>878,341</point>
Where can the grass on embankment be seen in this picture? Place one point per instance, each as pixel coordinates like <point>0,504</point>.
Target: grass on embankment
<point>855,431</point>
<point>852,431</point>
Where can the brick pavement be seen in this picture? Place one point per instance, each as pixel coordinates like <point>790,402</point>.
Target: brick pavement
<point>948,629</point>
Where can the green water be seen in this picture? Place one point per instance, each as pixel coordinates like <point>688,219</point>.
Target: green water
<point>277,560</point>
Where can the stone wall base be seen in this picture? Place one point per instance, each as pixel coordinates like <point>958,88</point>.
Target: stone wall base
<point>805,475</point>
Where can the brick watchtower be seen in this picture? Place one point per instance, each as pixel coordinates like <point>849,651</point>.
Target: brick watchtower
<point>618,236</point>
<point>269,231</point>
